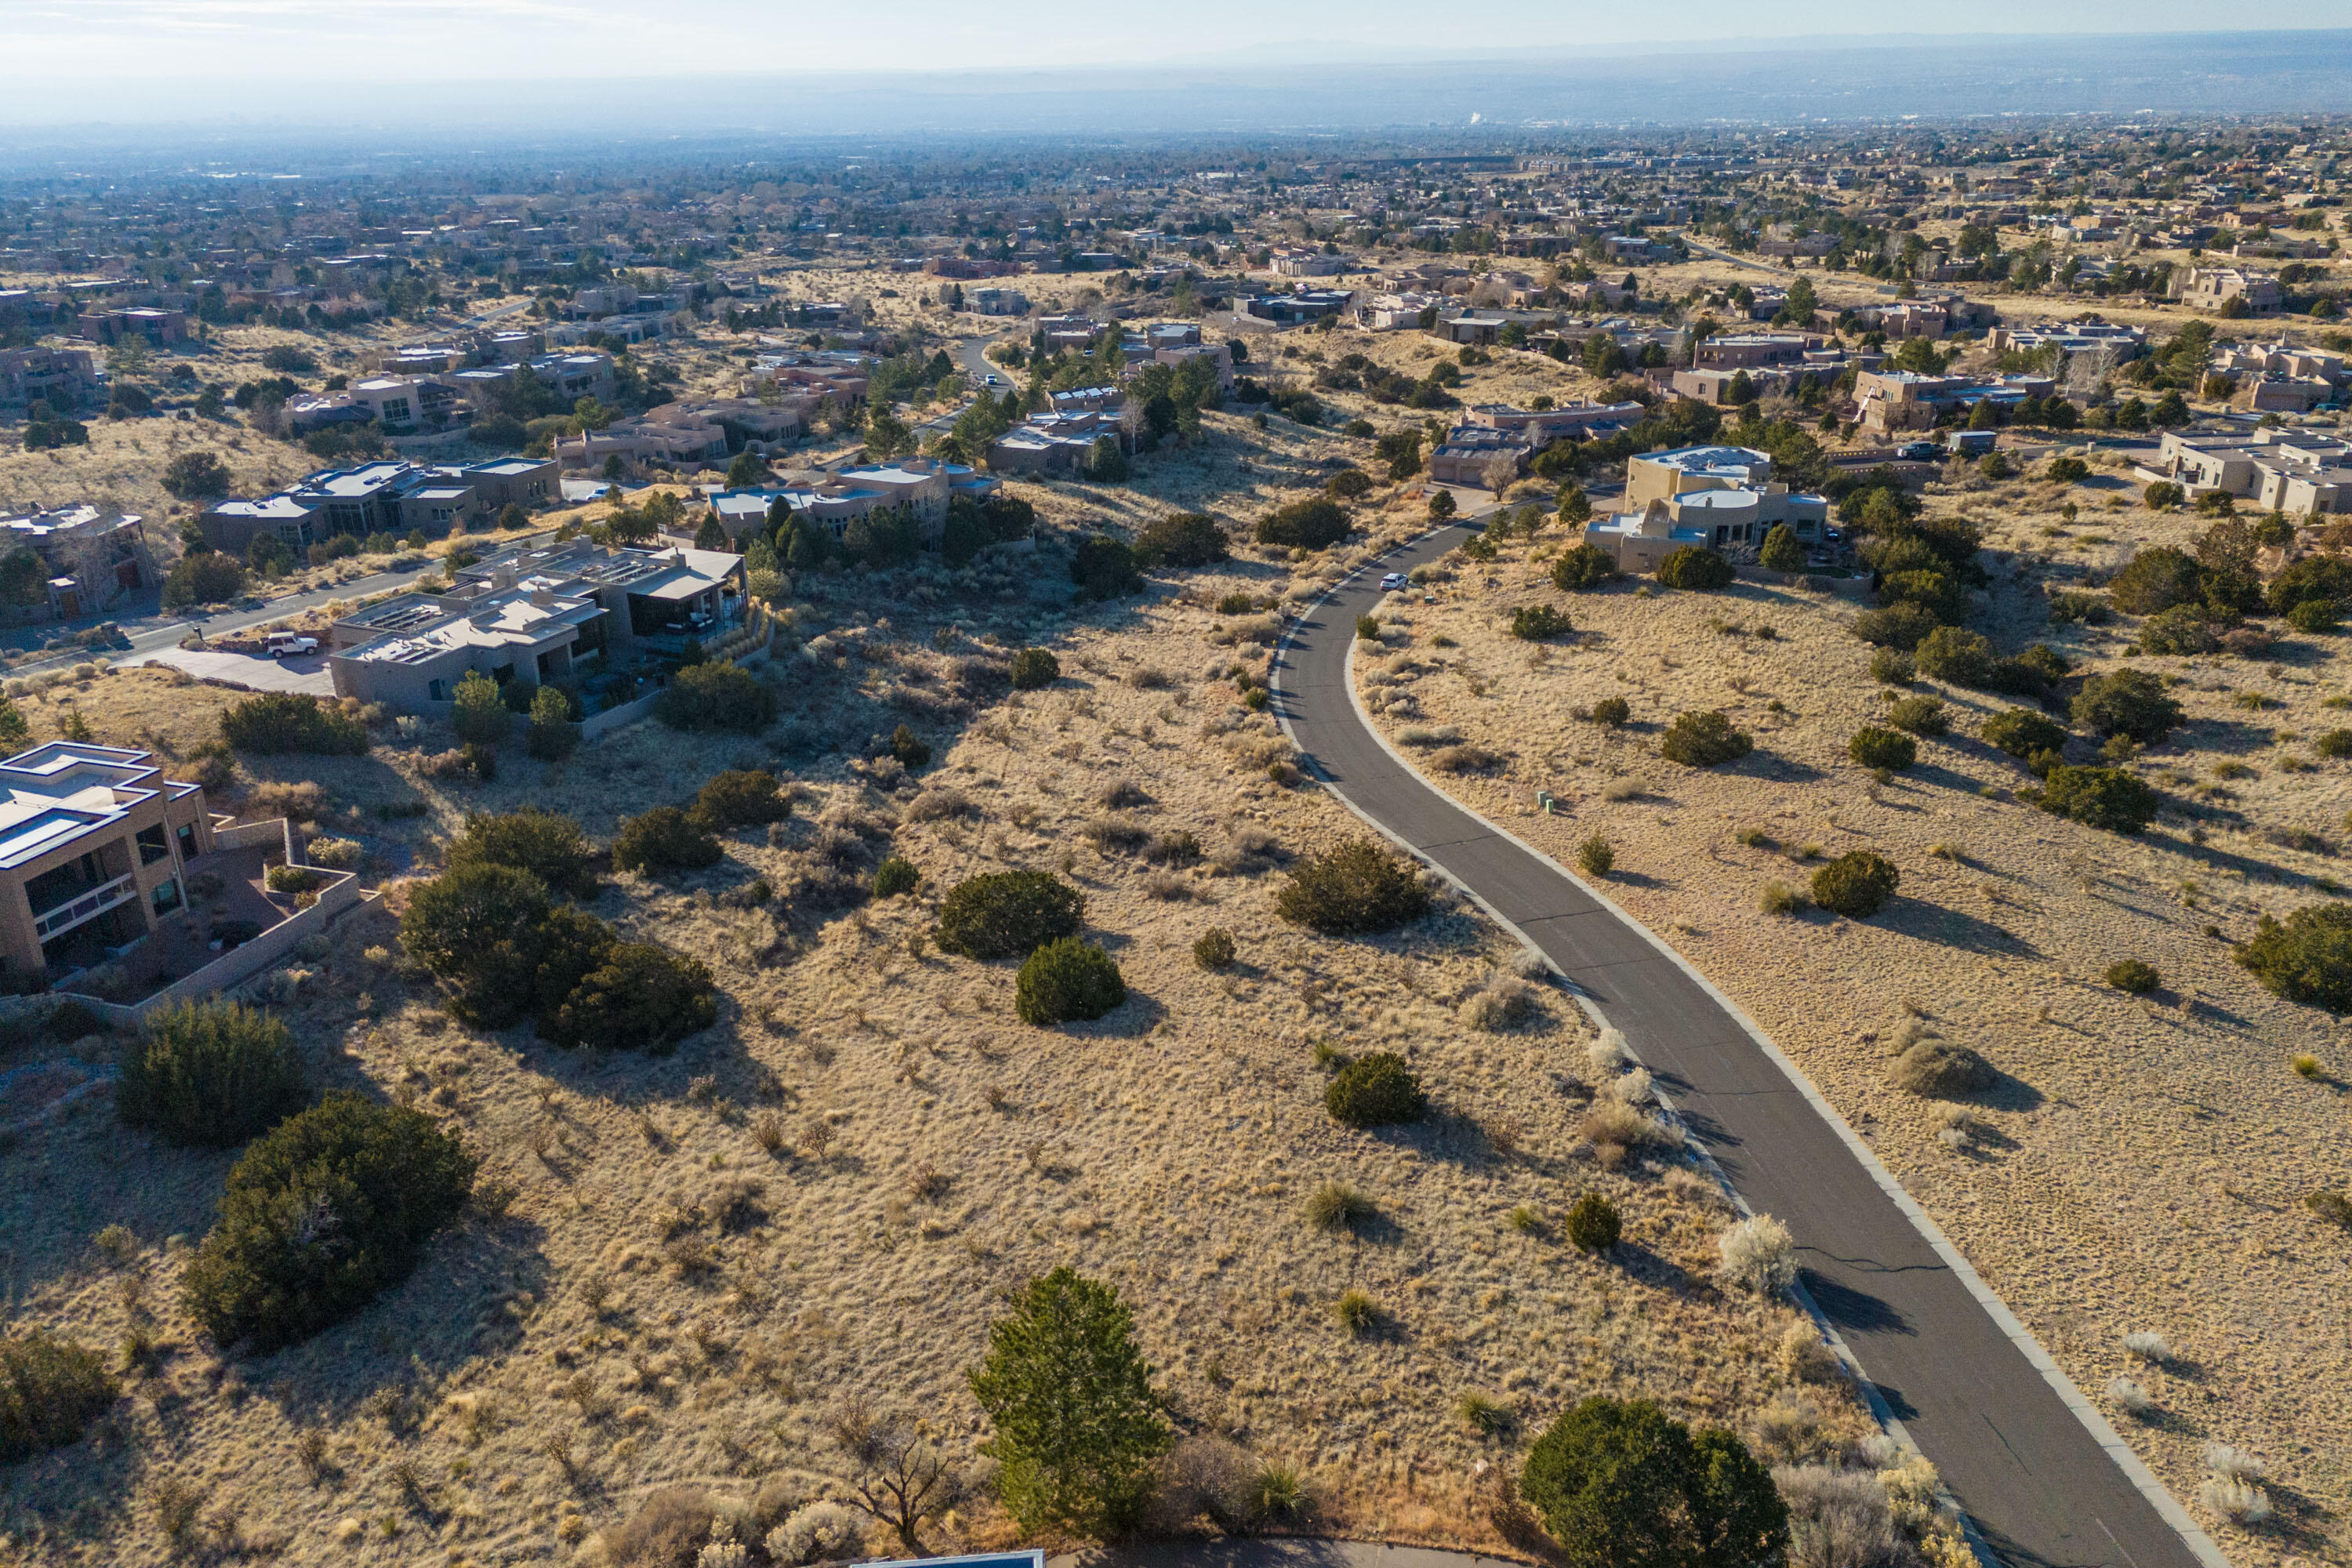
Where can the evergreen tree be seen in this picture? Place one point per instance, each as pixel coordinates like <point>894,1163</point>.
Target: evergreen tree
<point>1078,1421</point>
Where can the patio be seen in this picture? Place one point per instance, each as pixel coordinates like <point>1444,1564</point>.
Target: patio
<point>183,942</point>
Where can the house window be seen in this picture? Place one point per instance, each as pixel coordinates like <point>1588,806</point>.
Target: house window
<point>188,841</point>
<point>154,845</point>
<point>437,691</point>
<point>167,896</point>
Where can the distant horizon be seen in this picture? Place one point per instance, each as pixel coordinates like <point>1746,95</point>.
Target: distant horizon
<point>1348,88</point>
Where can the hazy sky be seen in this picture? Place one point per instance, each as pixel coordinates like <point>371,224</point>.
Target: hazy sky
<point>124,47</point>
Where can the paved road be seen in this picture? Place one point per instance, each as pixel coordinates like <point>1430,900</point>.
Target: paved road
<point>2045,1480</point>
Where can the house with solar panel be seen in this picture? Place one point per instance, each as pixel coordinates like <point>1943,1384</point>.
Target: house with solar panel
<point>570,613</point>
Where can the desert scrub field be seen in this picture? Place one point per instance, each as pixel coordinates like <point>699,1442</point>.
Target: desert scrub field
<point>2140,1160</point>
<point>682,1268</point>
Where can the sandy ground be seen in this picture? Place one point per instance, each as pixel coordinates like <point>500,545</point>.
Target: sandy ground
<point>2142,1165</point>
<point>674,1301</point>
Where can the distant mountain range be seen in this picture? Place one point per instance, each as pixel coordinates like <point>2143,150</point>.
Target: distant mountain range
<point>1434,100</point>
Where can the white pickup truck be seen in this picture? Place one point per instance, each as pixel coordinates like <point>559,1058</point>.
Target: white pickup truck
<point>286,645</point>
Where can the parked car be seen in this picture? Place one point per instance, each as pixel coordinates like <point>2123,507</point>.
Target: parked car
<point>286,645</point>
<point>1918,452</point>
<point>1392,583</point>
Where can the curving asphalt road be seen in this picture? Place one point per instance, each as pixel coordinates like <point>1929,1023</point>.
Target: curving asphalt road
<point>2043,1476</point>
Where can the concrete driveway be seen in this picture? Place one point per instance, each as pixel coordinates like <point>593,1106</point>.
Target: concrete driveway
<point>308,673</point>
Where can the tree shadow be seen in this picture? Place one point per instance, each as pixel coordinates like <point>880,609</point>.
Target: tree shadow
<point>1947,927</point>
<point>1848,1309</point>
<point>1131,1019</point>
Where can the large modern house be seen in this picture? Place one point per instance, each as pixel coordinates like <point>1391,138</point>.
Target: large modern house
<point>90,555</point>
<point>387,497</point>
<point>1722,498</point>
<point>548,616</point>
<point>94,847</point>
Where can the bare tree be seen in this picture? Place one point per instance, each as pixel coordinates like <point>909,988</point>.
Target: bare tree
<point>1500,471</point>
<point>903,1477</point>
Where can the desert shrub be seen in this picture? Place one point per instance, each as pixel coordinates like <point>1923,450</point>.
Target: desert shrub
<point>1596,856</point>
<point>1779,899</point>
<point>554,731</point>
<point>1705,740</point>
<point>895,876</point>
<point>206,579</point>
<point>1214,949</point>
<point>1539,623</point>
<point>2067,470</point>
<point>1466,759</point>
<point>478,713</point>
<point>1349,484</point>
<point>639,997</point>
<point>2331,1206</point>
<point>1008,914</point>
<point>667,1530</point>
<point>1781,552</point>
<point>1612,711</point>
<point>2306,958</point>
<point>1956,654</point>
<point>2021,733</point>
<point>1034,668</point>
<point>1185,538</point>
<point>1619,1482</point>
<point>2130,975</point>
<point>2156,579</point>
<point>1919,716</point>
<point>548,845</point>
<point>1357,887</point>
<point>2180,631</point>
<point>1304,525</point>
<point>910,750</point>
<point>2072,605</point>
<point>2333,743</point>
<point>1873,747</point>
<point>1335,1205</point>
<point>1375,1090</point>
<point>1892,666</point>
<point>2314,617</point>
<point>285,879</point>
<point>1856,884</point>
<point>491,934</point>
<point>1696,568</point>
<point>1104,568</point>
<point>2310,579</point>
<point>476,927</point>
<point>1939,1068</point>
<point>276,722</point>
<point>1592,1223</point>
<point>50,1389</point>
<point>1584,566</point>
<point>2128,703</point>
<point>211,1074</point>
<point>716,697</point>
<point>1897,626</point>
<point>662,839</point>
<point>740,797</point>
<point>320,1215</point>
<point>1077,1424</point>
<point>1067,979</point>
<point>2113,799</point>
<point>1757,1254</point>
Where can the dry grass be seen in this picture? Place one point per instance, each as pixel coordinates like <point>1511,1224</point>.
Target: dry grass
<point>829,1188</point>
<point>2138,1167</point>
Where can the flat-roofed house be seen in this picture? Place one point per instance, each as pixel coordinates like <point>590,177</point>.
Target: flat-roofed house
<point>548,616</point>
<point>94,846</point>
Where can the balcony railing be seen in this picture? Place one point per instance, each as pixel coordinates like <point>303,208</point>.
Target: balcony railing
<point>85,905</point>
